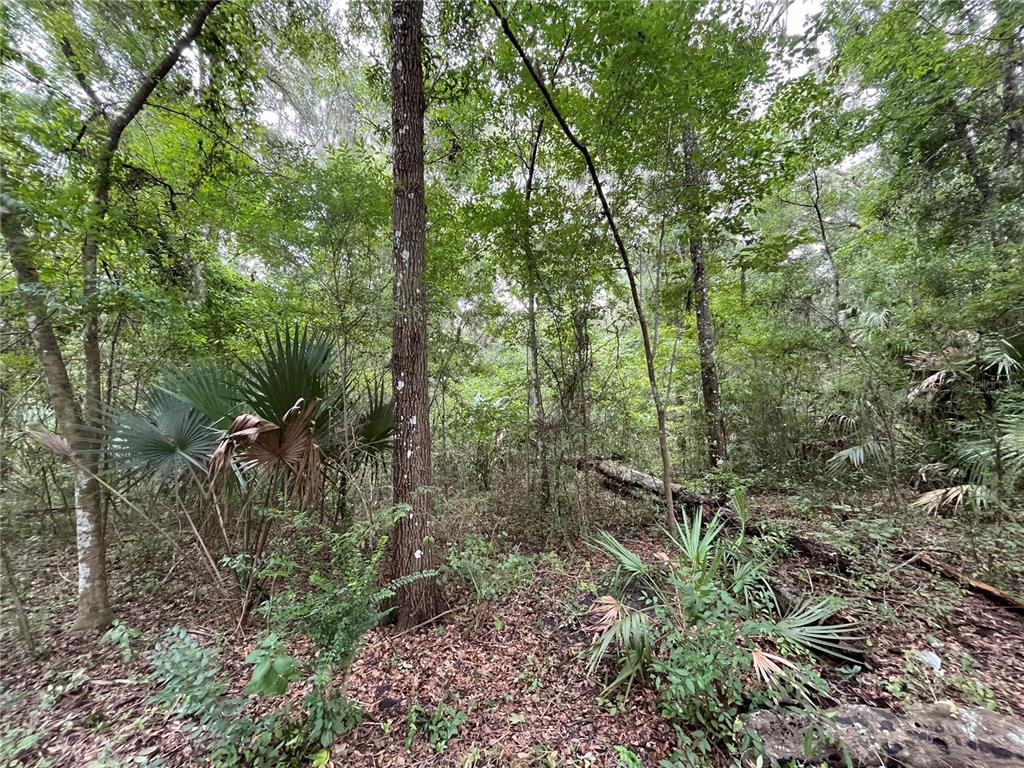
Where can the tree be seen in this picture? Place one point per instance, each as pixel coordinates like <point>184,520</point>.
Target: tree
<point>581,147</point>
<point>411,551</point>
<point>94,610</point>
<point>711,391</point>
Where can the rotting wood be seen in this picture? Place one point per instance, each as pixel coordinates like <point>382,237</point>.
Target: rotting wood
<point>622,478</point>
<point>996,595</point>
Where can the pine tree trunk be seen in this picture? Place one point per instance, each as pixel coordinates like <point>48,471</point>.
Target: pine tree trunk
<point>411,551</point>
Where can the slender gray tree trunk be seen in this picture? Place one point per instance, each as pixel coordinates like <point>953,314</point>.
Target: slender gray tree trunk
<point>411,551</point>
<point>93,603</point>
<point>80,424</point>
<point>710,388</point>
<point>532,342</point>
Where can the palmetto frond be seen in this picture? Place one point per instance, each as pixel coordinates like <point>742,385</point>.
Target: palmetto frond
<point>622,631</point>
<point>293,365</point>
<point>769,667</point>
<point>288,450</point>
<point>805,625</point>
<point>697,541</point>
<point>210,390</point>
<point>857,455</point>
<point>162,441</point>
<point>628,566</point>
<point>376,426</point>
<point>943,498</point>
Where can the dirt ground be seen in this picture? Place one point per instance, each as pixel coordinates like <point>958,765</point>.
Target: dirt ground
<point>516,668</point>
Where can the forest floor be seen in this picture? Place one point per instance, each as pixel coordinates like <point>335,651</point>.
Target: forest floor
<point>510,672</point>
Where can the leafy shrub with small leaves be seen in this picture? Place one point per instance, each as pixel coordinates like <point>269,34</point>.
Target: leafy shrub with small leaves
<point>121,635</point>
<point>325,589</point>
<point>438,725</point>
<point>196,690</point>
<point>494,567</point>
<point>702,623</point>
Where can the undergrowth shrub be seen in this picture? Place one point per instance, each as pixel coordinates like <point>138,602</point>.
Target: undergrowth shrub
<point>494,568</point>
<point>327,592</point>
<point>704,626</point>
<point>438,725</point>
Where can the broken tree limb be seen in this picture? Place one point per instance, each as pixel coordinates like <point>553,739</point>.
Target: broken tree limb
<point>994,594</point>
<point>624,479</point>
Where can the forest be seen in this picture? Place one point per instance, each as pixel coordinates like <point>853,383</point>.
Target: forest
<point>494,383</point>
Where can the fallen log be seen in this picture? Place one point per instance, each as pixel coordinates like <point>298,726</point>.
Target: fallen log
<point>994,594</point>
<point>624,479</point>
<point>620,477</point>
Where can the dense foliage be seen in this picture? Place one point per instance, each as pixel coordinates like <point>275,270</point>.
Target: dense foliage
<point>772,251</point>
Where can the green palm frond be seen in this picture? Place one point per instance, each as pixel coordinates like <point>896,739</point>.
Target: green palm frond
<point>208,389</point>
<point>857,456</point>
<point>293,365</point>
<point>697,541</point>
<point>1004,356</point>
<point>623,632</point>
<point>804,625</point>
<point>628,566</point>
<point>376,426</point>
<point>166,439</point>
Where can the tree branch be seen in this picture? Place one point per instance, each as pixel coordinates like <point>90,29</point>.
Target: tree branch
<point>619,244</point>
<point>158,73</point>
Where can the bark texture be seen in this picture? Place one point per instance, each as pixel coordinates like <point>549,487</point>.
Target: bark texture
<point>93,602</point>
<point>710,388</point>
<point>411,551</point>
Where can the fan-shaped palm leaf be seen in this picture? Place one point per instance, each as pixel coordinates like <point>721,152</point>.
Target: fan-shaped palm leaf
<point>376,427</point>
<point>287,450</point>
<point>293,365</point>
<point>210,390</point>
<point>167,438</point>
<point>805,625</point>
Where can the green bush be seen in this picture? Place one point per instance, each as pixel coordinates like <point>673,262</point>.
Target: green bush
<point>493,567</point>
<point>325,591</point>
<point>703,625</point>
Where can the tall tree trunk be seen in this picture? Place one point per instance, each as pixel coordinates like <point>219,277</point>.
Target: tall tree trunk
<point>532,344</point>
<point>1008,27</point>
<point>606,209</point>
<point>709,386</point>
<point>710,390</point>
<point>93,603</point>
<point>411,551</point>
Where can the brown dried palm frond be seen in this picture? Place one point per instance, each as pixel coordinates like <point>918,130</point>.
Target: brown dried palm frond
<point>942,498</point>
<point>288,450</point>
<point>932,383</point>
<point>604,612</point>
<point>769,667</point>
